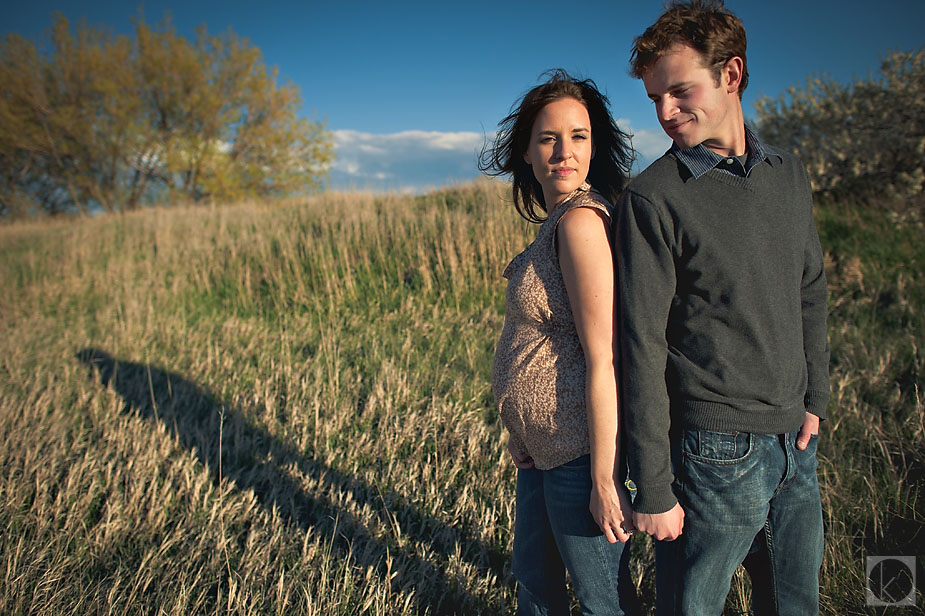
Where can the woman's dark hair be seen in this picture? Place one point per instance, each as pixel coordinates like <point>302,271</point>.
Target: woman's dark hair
<point>613,154</point>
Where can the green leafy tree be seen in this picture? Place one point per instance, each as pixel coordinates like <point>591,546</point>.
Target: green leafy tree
<point>97,120</point>
<point>860,138</point>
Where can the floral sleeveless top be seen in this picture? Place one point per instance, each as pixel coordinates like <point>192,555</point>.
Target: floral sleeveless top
<point>538,374</point>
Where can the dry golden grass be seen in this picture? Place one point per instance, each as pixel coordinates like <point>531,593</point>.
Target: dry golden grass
<point>268,409</point>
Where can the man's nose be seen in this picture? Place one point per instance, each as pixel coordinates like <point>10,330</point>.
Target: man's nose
<point>666,109</point>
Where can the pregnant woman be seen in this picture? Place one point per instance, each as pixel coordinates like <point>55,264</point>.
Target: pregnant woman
<point>554,373</point>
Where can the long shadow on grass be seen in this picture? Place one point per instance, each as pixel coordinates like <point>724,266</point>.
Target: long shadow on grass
<point>900,533</point>
<point>253,458</point>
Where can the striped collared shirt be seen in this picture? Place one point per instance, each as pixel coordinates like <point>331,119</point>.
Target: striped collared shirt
<point>700,159</point>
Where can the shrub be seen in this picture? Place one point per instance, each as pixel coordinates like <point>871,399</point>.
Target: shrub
<point>866,137</point>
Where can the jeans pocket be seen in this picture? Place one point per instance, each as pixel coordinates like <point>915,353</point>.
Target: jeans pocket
<point>721,472</point>
<point>813,443</point>
<point>806,459</point>
<point>720,448</point>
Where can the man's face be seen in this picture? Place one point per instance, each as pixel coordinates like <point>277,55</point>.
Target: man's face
<point>691,107</point>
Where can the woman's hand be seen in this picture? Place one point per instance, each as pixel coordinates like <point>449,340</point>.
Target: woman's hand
<point>611,509</point>
<point>521,460</point>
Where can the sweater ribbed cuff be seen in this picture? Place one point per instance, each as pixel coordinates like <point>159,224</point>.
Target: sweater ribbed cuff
<point>657,499</point>
<point>815,402</point>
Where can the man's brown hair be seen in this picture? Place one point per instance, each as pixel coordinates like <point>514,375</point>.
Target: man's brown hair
<point>704,25</point>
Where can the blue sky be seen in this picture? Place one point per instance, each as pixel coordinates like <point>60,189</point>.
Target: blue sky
<point>410,89</point>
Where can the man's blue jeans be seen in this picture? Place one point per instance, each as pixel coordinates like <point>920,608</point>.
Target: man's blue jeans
<point>749,499</point>
<point>554,531</point>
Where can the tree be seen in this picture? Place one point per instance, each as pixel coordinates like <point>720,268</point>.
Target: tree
<point>107,121</point>
<point>865,137</point>
<point>52,140</point>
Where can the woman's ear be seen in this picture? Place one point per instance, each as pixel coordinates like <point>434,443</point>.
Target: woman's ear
<point>527,158</point>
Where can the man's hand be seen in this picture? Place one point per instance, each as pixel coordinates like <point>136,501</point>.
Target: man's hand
<point>809,428</point>
<point>665,526</point>
<point>520,460</point>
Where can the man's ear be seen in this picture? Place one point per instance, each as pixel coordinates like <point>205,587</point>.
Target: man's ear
<point>732,74</point>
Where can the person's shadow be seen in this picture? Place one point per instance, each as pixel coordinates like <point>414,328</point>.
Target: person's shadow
<point>252,458</point>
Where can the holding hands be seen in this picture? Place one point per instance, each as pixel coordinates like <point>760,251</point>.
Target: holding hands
<point>610,506</point>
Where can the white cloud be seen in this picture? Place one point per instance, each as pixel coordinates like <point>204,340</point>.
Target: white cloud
<point>413,159</point>
<point>651,144</point>
<point>417,160</point>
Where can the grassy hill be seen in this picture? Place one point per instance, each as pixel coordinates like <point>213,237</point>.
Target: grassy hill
<point>265,409</point>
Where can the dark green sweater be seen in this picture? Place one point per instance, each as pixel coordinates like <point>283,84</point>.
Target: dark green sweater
<point>723,309</point>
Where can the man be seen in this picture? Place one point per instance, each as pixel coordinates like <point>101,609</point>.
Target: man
<point>723,333</point>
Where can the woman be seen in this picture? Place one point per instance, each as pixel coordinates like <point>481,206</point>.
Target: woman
<point>554,375</point>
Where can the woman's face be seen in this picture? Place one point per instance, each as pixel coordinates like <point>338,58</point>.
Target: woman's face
<point>560,148</point>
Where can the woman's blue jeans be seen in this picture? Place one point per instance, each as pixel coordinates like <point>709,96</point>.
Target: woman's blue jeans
<point>749,499</point>
<point>554,531</point>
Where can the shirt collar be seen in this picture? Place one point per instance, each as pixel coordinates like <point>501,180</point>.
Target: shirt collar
<point>700,159</point>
